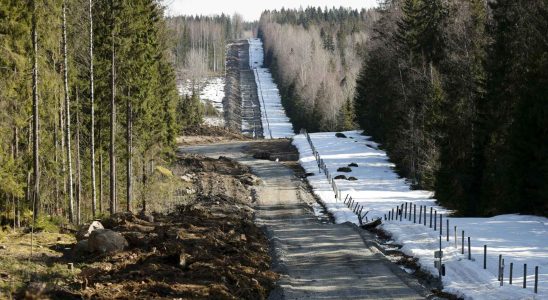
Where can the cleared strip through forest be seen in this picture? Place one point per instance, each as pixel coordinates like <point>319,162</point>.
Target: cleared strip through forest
<point>273,117</point>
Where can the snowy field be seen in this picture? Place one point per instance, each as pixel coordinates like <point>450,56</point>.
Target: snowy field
<point>212,90</point>
<point>520,239</point>
<point>275,122</point>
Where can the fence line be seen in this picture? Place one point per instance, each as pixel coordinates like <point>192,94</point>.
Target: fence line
<point>322,167</point>
<point>410,212</point>
<point>260,89</point>
<point>404,214</point>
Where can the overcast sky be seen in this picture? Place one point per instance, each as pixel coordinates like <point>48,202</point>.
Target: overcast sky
<point>251,9</point>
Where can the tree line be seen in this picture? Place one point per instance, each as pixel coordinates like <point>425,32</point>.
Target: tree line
<point>87,106</point>
<point>315,58</point>
<point>199,43</point>
<point>456,91</point>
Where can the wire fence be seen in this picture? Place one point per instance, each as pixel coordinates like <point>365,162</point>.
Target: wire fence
<point>429,218</point>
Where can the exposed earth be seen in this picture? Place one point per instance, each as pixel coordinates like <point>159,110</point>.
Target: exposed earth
<point>316,260</point>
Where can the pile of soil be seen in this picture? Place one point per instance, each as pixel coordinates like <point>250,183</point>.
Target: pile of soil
<point>198,163</point>
<point>209,248</point>
<point>279,149</point>
<point>196,252</point>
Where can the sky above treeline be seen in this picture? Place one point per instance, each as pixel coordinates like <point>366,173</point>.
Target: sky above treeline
<point>251,9</point>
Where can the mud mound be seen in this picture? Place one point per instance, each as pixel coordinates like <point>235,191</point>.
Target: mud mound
<point>197,163</point>
<point>210,251</point>
<point>280,149</point>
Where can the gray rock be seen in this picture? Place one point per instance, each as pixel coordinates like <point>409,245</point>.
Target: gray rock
<point>81,248</point>
<point>106,241</point>
<point>86,230</point>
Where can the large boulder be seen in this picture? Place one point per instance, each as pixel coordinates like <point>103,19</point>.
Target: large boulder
<point>81,248</point>
<point>86,230</point>
<point>106,241</point>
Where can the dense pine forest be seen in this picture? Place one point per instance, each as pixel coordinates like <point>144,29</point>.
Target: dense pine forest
<point>87,106</point>
<point>457,93</point>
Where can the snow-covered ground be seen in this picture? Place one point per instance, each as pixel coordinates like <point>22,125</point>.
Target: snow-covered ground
<point>275,122</point>
<point>520,239</point>
<point>212,90</point>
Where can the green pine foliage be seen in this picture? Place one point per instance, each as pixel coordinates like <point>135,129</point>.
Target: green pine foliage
<point>456,93</point>
<point>190,111</point>
<point>144,77</point>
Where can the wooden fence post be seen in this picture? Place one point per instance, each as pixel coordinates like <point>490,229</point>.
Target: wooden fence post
<point>441,224</point>
<point>511,271</point>
<point>484,257</point>
<point>456,241</point>
<point>431,217</point>
<point>524,275</point>
<point>462,250</point>
<point>447,229</point>
<point>500,263</point>
<point>469,250</point>
<point>502,273</point>
<point>536,279</point>
<point>410,209</point>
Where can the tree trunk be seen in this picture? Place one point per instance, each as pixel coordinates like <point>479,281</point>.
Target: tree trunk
<point>67,114</point>
<point>16,220</point>
<point>92,112</point>
<point>56,159</point>
<point>129,150</point>
<point>144,182</point>
<point>62,150</point>
<point>112,132</point>
<point>35,124</point>
<point>100,182</point>
<point>78,166</point>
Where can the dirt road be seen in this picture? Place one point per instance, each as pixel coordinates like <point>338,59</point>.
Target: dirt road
<point>317,261</point>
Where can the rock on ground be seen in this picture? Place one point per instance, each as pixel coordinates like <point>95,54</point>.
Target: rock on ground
<point>106,241</point>
<point>86,230</point>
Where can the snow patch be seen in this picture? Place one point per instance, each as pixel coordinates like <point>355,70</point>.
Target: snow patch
<point>519,238</point>
<point>275,122</point>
